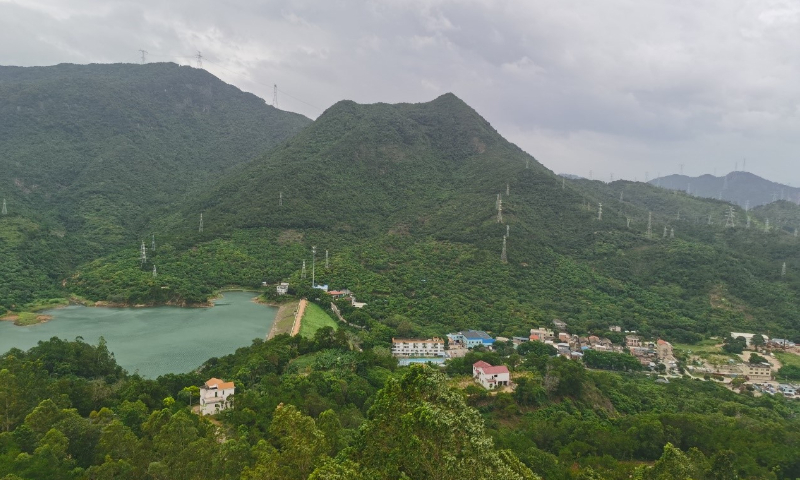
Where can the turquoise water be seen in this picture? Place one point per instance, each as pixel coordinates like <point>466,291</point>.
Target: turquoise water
<point>404,362</point>
<point>158,340</point>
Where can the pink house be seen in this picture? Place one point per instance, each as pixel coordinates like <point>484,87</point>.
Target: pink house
<point>490,377</point>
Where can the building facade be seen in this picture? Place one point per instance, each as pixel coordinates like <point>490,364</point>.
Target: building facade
<point>471,338</point>
<point>413,347</point>
<point>490,377</point>
<point>215,396</point>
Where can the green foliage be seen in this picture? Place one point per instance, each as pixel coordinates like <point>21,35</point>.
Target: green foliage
<point>611,361</point>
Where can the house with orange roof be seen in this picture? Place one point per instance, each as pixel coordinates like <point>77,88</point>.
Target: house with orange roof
<point>215,396</point>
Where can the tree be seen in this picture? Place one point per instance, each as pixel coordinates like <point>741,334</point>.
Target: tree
<point>420,428</point>
<point>734,345</point>
<point>9,400</point>
<point>757,340</point>
<point>756,358</point>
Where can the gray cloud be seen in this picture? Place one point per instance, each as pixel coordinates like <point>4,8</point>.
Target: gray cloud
<point>610,86</point>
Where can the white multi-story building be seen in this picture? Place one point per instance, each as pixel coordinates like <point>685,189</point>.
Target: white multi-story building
<point>215,396</point>
<point>412,347</point>
<point>490,377</point>
<point>282,289</point>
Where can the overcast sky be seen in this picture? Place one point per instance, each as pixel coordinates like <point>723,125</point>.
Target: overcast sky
<point>622,87</point>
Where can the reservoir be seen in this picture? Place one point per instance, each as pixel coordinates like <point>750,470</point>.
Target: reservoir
<point>154,340</point>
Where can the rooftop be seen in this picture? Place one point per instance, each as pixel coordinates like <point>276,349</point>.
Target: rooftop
<point>218,384</point>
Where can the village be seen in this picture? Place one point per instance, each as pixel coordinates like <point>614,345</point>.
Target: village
<point>748,373</point>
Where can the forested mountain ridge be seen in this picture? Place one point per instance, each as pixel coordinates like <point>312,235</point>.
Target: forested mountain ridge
<point>740,188</point>
<point>90,153</point>
<point>405,199</point>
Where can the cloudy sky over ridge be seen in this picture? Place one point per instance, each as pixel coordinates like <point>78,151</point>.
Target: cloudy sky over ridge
<point>620,87</point>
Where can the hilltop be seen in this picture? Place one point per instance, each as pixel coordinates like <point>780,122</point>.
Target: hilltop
<point>90,153</point>
<point>404,198</point>
<point>740,188</point>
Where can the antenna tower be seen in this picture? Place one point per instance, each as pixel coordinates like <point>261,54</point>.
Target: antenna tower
<point>599,211</point>
<point>313,264</point>
<point>649,224</point>
<point>503,257</point>
<point>5,210</point>
<point>143,253</point>
<point>730,218</point>
<point>144,56</point>
<point>201,224</point>
<point>303,272</point>
<point>275,95</point>
<point>199,58</point>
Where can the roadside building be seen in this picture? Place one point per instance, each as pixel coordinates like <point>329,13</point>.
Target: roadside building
<point>757,371</point>
<point>471,338</point>
<point>633,341</point>
<point>282,288</point>
<point>560,325</point>
<point>215,396</point>
<point>541,334</point>
<point>490,377</point>
<point>413,347</point>
<point>615,328</point>
<point>663,349</point>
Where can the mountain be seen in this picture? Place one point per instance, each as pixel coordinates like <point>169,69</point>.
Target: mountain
<point>404,198</point>
<point>740,188</point>
<point>90,153</point>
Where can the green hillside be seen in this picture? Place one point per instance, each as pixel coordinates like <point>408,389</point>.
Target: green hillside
<point>404,197</point>
<point>90,153</point>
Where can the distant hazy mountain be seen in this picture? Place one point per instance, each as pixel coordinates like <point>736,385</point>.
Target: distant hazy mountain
<point>570,176</point>
<point>735,187</point>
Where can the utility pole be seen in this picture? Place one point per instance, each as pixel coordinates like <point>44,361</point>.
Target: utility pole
<point>199,58</point>
<point>144,56</point>
<point>499,209</point>
<point>201,224</point>
<point>649,224</point>
<point>313,262</point>
<point>503,256</point>
<point>275,95</point>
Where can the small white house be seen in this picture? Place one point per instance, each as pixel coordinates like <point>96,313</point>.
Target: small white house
<point>490,377</point>
<point>215,396</point>
<point>282,289</point>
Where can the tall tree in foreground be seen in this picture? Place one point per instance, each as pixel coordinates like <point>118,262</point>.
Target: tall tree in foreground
<point>420,428</point>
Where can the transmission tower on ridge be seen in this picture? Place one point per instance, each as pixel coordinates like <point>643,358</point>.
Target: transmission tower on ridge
<point>144,56</point>
<point>313,266</point>
<point>730,218</point>
<point>153,244</point>
<point>766,226</point>
<point>628,221</point>
<point>748,221</point>
<point>199,58</point>
<point>201,224</point>
<point>599,211</point>
<point>327,265</point>
<point>672,232</point>
<point>649,224</point>
<point>303,272</point>
<point>143,253</point>
<point>499,209</point>
<point>275,95</point>
<point>503,257</point>
<point>508,229</point>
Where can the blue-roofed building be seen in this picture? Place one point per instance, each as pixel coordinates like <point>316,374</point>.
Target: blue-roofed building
<point>471,338</point>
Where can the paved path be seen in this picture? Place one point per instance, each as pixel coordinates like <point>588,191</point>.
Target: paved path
<point>301,308</point>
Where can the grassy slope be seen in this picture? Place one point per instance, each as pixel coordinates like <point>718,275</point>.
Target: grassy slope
<point>313,319</point>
